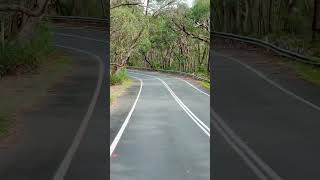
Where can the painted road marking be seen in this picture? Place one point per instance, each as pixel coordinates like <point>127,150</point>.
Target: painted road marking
<point>194,87</point>
<point>80,37</point>
<point>124,125</point>
<point>64,165</point>
<point>197,121</point>
<point>273,83</point>
<point>248,155</point>
<point>203,127</point>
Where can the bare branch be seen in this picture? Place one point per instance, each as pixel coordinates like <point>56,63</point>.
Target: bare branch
<point>183,29</point>
<point>30,12</point>
<point>133,46</point>
<point>127,4</point>
<point>203,26</point>
<point>156,13</point>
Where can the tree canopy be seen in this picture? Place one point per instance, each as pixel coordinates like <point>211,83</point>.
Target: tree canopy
<point>160,34</point>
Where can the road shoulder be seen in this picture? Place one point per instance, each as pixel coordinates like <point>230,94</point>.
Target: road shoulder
<point>51,124</point>
<point>122,106</point>
<point>277,69</point>
<point>21,92</point>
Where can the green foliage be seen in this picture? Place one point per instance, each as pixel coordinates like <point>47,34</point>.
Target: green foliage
<point>200,10</point>
<point>163,43</point>
<point>126,24</point>
<point>206,85</point>
<point>287,24</point>
<point>119,77</point>
<point>26,56</point>
<point>4,124</point>
<point>307,72</point>
<point>144,46</point>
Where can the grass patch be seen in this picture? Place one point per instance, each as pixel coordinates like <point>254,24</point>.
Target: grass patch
<point>119,78</point>
<point>117,90</point>
<point>206,85</point>
<point>22,80</point>
<point>4,124</point>
<point>307,72</point>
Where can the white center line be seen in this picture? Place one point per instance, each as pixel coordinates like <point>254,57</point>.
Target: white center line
<point>196,120</point>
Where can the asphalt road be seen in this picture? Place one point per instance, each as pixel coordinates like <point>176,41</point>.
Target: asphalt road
<point>86,157</point>
<point>65,136</point>
<point>265,124</point>
<point>162,138</point>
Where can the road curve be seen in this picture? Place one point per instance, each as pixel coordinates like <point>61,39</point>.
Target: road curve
<point>164,138</point>
<point>86,156</point>
<point>64,135</point>
<point>264,126</point>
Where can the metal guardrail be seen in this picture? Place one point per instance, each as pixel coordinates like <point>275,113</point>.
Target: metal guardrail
<point>172,72</point>
<point>283,52</point>
<point>77,19</point>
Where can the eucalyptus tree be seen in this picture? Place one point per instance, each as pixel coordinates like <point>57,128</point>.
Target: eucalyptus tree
<point>290,24</point>
<point>262,17</point>
<point>27,13</point>
<point>174,36</point>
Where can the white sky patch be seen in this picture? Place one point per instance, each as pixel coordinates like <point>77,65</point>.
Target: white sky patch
<point>190,2</point>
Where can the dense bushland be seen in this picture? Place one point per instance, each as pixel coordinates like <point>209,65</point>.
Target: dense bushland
<point>25,56</point>
<point>290,24</point>
<point>160,34</point>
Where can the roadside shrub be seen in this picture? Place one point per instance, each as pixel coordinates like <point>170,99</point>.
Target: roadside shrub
<point>4,124</point>
<point>118,78</point>
<point>26,56</point>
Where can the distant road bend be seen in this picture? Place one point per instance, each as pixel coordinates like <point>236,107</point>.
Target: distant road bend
<point>166,134</point>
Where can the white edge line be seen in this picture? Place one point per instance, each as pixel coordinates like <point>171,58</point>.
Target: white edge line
<point>80,37</point>
<point>64,165</point>
<point>124,125</point>
<point>87,28</point>
<point>194,87</point>
<point>273,83</point>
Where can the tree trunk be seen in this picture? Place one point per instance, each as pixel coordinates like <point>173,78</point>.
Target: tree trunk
<point>316,19</point>
<point>225,16</point>
<point>269,16</point>
<point>247,17</point>
<point>239,29</point>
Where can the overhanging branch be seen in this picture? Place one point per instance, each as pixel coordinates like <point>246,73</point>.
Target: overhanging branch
<point>156,13</point>
<point>126,4</point>
<point>183,29</point>
<point>34,13</point>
